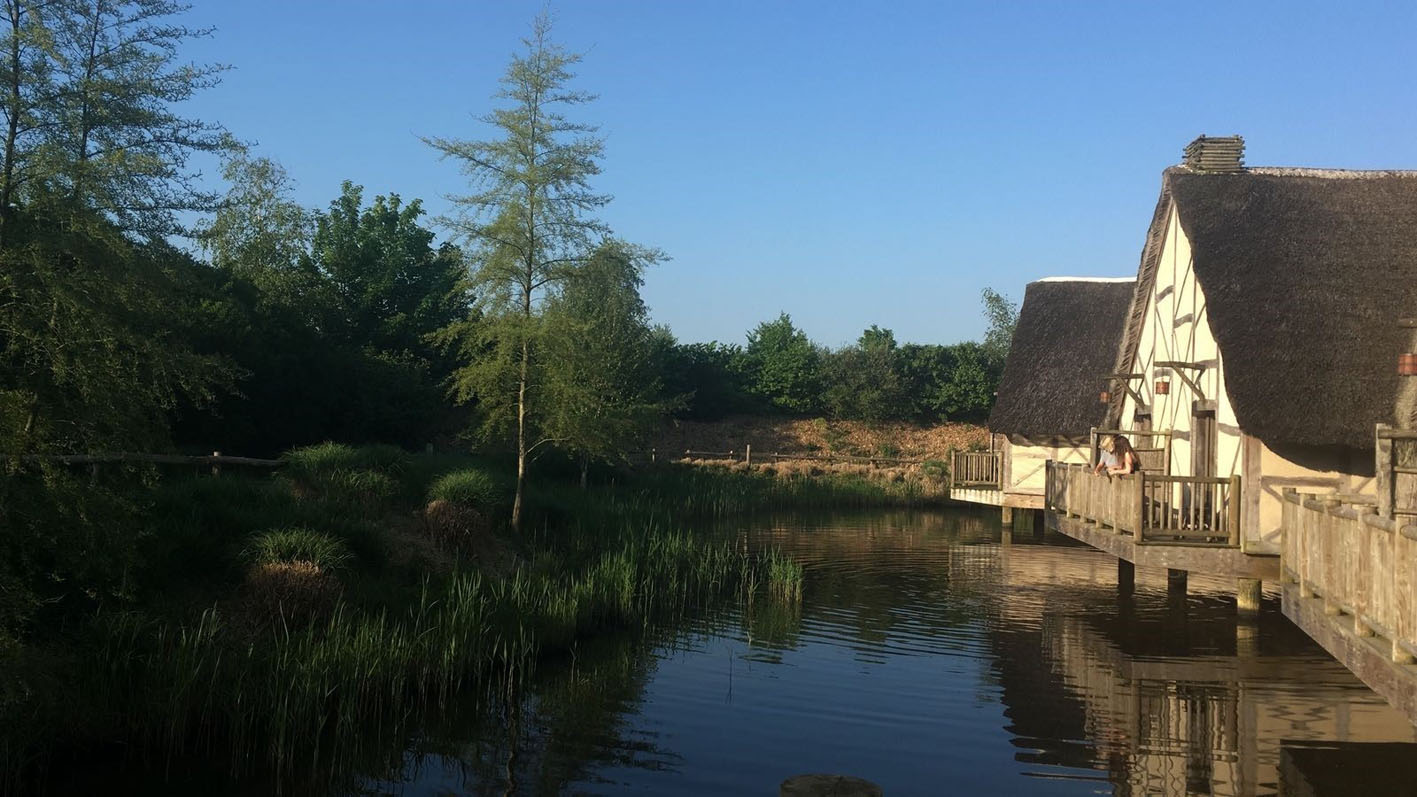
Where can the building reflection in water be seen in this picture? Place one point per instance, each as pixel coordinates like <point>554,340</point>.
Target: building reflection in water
<point>1172,699</point>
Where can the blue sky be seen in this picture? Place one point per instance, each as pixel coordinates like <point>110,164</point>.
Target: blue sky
<point>849,163</point>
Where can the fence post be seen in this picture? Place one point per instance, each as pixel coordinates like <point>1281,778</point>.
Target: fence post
<point>653,455</point>
<point>748,455</point>
<point>216,466</point>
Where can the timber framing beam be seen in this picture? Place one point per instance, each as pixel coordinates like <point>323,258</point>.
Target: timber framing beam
<point>1179,369</point>
<point>1126,380</point>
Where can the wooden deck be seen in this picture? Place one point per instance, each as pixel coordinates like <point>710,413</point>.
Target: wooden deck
<point>1152,520</point>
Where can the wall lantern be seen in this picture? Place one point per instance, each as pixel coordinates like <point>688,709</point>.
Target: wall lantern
<point>1407,365</point>
<point>1106,397</point>
<point>1163,387</point>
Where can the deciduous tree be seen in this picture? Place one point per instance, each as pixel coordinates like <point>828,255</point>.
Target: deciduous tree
<point>602,392</point>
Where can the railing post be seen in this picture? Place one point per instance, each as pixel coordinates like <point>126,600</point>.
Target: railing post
<point>1139,511</point>
<point>1234,509</point>
<point>1386,478</point>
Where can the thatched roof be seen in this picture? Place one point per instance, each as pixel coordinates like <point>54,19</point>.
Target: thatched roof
<point>1305,274</point>
<point>1066,341</point>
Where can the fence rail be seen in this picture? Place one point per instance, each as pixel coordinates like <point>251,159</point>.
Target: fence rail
<point>975,469</point>
<point>1149,506</point>
<point>149,459</point>
<point>1360,563</point>
<point>748,455</point>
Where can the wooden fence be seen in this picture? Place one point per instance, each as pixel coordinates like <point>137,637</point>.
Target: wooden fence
<point>1151,507</point>
<point>214,461</point>
<point>749,456</point>
<point>1360,563</point>
<point>978,469</point>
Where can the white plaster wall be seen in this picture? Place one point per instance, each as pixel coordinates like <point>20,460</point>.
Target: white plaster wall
<point>1028,459</point>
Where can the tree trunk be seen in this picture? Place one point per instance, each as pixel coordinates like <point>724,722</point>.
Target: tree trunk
<point>12,134</point>
<point>521,437</point>
<point>585,469</point>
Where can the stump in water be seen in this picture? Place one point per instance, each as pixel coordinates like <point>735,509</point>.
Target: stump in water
<point>828,786</point>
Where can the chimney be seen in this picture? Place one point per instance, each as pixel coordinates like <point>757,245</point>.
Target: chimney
<point>1216,154</point>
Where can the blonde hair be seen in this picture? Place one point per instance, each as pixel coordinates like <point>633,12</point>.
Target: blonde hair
<point>1107,443</point>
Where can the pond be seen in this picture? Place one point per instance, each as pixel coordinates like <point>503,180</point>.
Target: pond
<point>929,658</point>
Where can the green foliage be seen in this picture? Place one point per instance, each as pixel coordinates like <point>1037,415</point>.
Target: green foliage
<point>969,392</point>
<point>260,233</point>
<point>86,342</point>
<point>298,544</point>
<point>70,543</point>
<point>331,316</point>
<point>601,392</point>
<point>392,289</point>
<point>473,487</point>
<point>864,381</point>
<point>937,470</point>
<point>712,377</point>
<point>1002,315</point>
<point>785,367</point>
<point>94,105</point>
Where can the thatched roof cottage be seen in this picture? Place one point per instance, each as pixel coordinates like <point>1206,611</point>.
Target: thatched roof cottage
<point>1067,337</point>
<point>1264,324</point>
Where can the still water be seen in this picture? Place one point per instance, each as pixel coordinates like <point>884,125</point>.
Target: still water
<point>932,659</point>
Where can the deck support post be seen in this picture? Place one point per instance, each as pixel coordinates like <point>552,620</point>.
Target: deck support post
<point>1176,583</point>
<point>1006,537</point>
<point>1400,654</point>
<point>1006,515</point>
<point>1247,595</point>
<point>1126,577</point>
<point>1247,638</point>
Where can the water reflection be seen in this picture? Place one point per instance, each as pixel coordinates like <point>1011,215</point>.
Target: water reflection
<point>929,658</point>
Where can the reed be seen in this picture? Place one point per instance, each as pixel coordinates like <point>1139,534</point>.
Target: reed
<point>302,685</point>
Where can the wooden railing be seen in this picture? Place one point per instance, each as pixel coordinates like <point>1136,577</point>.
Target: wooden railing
<point>1151,507</point>
<point>978,469</point>
<point>1360,563</point>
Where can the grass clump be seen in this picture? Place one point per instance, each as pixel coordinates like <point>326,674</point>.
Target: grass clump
<point>298,544</point>
<point>468,487</point>
<point>332,457</point>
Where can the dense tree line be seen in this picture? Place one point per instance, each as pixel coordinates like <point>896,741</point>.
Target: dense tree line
<point>270,325</point>
<point>781,372</point>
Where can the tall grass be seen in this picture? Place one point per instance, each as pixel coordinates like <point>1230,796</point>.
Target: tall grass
<point>288,691</point>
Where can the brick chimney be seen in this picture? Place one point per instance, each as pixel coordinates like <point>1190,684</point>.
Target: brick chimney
<point>1216,154</point>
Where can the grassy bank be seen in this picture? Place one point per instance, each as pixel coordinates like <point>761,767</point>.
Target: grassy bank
<point>276,619</point>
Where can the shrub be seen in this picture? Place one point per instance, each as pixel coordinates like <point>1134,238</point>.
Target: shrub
<point>935,469</point>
